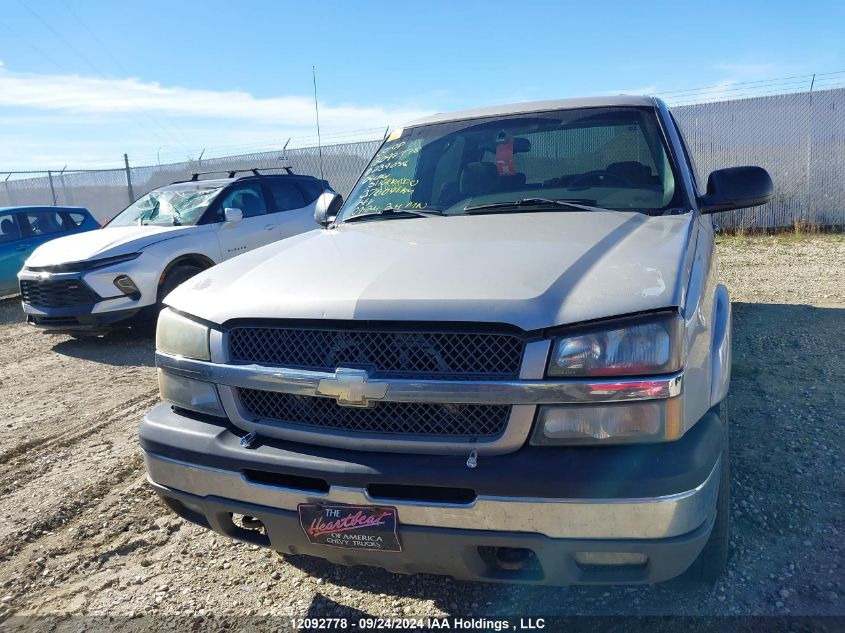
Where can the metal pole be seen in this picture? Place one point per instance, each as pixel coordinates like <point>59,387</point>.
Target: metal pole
<point>128,179</point>
<point>68,199</point>
<point>811,216</point>
<point>317,110</point>
<point>52,189</point>
<point>8,190</point>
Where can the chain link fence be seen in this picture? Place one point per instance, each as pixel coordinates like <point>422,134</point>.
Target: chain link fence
<point>799,138</point>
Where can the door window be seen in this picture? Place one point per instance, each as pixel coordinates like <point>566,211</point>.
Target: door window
<point>43,222</point>
<point>9,231</point>
<point>286,196</point>
<point>248,199</point>
<point>76,218</point>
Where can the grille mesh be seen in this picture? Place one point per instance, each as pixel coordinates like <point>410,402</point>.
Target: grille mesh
<point>394,418</point>
<point>57,294</point>
<point>425,355</point>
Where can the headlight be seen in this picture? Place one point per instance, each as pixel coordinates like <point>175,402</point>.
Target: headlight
<point>616,423</point>
<point>90,264</point>
<point>187,393</point>
<point>127,286</point>
<point>181,336</point>
<point>634,348</point>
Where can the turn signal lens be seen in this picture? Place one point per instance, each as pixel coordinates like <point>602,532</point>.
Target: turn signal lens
<point>647,421</point>
<point>187,393</point>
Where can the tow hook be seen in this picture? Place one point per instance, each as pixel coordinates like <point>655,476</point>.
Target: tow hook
<point>472,460</point>
<point>248,439</point>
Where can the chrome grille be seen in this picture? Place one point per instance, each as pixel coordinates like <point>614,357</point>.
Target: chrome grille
<point>453,421</point>
<point>57,293</point>
<point>424,355</point>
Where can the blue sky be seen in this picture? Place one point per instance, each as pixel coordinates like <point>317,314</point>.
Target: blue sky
<point>82,82</point>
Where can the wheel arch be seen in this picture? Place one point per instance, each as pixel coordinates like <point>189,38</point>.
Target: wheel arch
<point>191,259</point>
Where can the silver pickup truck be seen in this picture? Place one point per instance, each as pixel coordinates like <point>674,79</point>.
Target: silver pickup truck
<point>505,359</point>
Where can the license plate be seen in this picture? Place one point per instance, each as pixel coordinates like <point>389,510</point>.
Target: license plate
<point>351,527</point>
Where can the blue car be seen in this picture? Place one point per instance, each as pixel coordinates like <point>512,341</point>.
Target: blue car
<point>22,229</point>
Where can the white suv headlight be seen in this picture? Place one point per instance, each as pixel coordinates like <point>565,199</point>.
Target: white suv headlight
<point>181,336</point>
<point>636,347</point>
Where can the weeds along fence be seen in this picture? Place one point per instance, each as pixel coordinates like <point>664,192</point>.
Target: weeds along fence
<point>799,138</point>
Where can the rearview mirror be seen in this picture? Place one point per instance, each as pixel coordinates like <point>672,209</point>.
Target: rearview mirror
<point>233,215</point>
<point>736,188</point>
<point>326,207</point>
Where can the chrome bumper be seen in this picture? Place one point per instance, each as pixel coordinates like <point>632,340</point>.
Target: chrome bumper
<point>640,518</point>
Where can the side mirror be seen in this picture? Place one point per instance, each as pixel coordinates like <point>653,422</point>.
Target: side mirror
<point>736,188</point>
<point>326,207</point>
<point>232,215</point>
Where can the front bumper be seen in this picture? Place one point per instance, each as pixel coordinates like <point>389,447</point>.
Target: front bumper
<point>82,320</point>
<point>462,554</point>
<point>657,500</point>
<point>99,315</point>
<point>104,309</point>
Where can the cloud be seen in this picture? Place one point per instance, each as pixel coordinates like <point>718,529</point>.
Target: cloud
<point>54,119</point>
<point>75,94</point>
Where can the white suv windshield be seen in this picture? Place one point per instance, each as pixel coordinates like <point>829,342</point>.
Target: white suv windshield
<point>607,157</point>
<point>168,207</point>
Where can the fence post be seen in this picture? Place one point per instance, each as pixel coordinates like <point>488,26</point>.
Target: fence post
<point>9,191</point>
<point>52,188</point>
<point>128,179</point>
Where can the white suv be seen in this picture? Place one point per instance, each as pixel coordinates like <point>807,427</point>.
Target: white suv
<point>89,282</point>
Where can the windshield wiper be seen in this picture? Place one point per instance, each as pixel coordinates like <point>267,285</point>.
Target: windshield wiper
<point>532,202</point>
<point>395,212</point>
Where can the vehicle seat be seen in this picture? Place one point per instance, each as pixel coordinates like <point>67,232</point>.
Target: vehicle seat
<point>9,230</point>
<point>251,206</point>
<point>632,171</point>
<point>479,179</point>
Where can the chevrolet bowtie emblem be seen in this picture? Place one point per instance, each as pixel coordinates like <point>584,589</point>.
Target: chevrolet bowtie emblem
<point>351,388</point>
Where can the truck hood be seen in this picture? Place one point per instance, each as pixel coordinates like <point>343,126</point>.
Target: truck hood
<point>107,242</point>
<point>531,270</point>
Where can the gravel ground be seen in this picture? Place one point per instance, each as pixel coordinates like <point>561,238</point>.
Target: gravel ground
<point>81,534</point>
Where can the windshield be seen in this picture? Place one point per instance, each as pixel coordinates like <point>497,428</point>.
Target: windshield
<point>613,158</point>
<point>168,207</point>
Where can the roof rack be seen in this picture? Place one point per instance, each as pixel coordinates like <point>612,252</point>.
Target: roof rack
<point>231,172</point>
